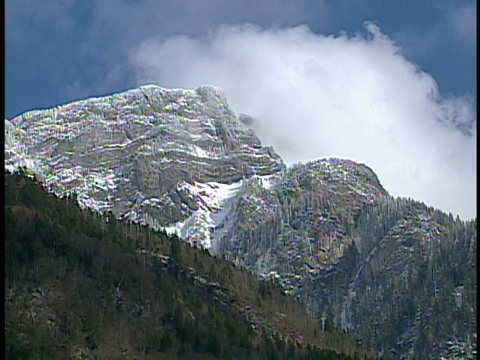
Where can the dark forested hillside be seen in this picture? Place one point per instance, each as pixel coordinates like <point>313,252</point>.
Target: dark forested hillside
<point>79,285</point>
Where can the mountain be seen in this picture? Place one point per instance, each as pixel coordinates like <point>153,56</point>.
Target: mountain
<point>138,153</point>
<point>398,276</point>
<point>83,286</point>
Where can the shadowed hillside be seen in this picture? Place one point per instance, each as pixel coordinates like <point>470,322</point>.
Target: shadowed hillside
<point>82,286</point>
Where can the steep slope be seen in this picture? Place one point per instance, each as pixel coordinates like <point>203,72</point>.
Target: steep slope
<point>80,286</point>
<point>422,268</point>
<point>395,274</point>
<point>302,219</point>
<point>136,153</point>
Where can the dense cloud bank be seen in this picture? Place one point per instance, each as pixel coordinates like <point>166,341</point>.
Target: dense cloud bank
<point>351,96</point>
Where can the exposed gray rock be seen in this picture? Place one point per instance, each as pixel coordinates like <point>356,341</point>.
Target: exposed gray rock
<point>130,152</point>
<point>396,274</point>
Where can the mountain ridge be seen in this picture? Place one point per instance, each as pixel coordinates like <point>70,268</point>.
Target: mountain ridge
<point>327,231</point>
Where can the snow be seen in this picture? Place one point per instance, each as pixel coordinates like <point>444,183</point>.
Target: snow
<point>115,115</point>
<point>267,181</point>
<point>11,168</point>
<point>174,228</point>
<point>199,152</point>
<point>213,200</point>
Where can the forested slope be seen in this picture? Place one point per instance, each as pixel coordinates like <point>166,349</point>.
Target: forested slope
<point>79,285</point>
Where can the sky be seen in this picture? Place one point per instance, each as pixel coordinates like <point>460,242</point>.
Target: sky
<point>391,84</point>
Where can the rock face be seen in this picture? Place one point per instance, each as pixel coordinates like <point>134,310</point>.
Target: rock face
<point>393,272</point>
<point>396,274</point>
<point>135,153</point>
<point>307,207</point>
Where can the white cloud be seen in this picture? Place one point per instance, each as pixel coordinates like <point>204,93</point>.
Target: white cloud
<point>317,96</point>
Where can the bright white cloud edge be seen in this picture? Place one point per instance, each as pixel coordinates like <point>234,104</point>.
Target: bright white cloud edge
<point>349,96</point>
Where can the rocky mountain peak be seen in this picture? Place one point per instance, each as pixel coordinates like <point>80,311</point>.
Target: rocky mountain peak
<point>398,275</point>
<point>132,153</point>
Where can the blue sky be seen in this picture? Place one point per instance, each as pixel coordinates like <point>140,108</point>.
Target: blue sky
<point>58,51</point>
<point>62,50</point>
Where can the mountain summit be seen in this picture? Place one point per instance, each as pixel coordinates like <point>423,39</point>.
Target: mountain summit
<point>396,274</point>
<point>141,153</point>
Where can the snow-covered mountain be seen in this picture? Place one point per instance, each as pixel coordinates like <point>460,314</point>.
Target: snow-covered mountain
<point>398,275</point>
<point>166,158</point>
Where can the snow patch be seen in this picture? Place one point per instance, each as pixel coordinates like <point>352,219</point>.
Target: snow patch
<point>202,226</point>
<point>267,181</point>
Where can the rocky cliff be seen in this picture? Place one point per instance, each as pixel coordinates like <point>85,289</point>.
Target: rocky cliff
<point>139,153</point>
<point>396,274</point>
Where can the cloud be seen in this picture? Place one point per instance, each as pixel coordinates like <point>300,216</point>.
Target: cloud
<point>351,96</point>
<point>146,18</point>
<point>79,47</point>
